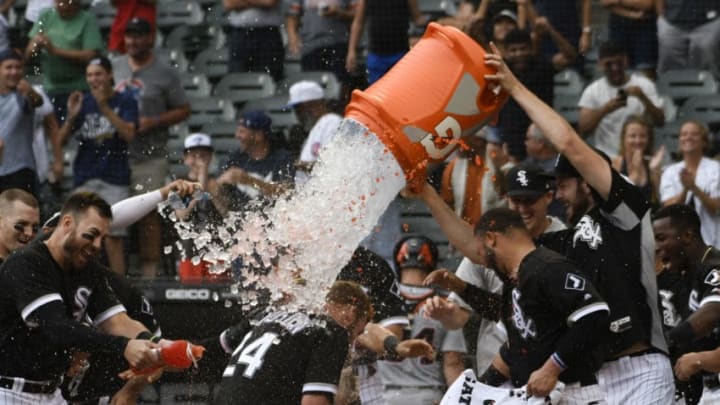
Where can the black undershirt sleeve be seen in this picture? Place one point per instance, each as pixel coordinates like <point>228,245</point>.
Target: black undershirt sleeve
<point>582,337</point>
<point>52,321</point>
<point>486,304</point>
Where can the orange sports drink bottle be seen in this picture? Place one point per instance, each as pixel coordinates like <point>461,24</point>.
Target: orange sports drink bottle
<point>179,354</point>
<point>434,95</point>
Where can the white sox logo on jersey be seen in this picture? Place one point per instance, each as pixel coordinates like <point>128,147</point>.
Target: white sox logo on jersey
<point>525,326</point>
<point>522,178</point>
<point>713,278</point>
<point>82,297</point>
<point>589,232</point>
<point>693,302</point>
<point>670,316</point>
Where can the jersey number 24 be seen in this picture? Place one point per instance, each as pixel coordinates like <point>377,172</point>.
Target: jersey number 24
<point>250,354</point>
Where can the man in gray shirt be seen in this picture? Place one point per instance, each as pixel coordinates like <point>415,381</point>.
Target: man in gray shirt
<point>255,42</point>
<point>319,32</point>
<point>17,107</point>
<point>688,35</point>
<point>162,103</point>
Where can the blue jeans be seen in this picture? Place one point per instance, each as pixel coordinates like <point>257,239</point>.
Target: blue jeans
<point>378,65</point>
<point>258,49</point>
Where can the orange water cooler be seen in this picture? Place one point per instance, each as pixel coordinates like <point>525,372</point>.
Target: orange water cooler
<point>425,103</point>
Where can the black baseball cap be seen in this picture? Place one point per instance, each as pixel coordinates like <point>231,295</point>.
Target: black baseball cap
<point>138,26</point>
<point>526,180</point>
<point>565,169</point>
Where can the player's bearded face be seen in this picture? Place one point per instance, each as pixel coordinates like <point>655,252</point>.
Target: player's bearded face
<point>575,198</point>
<point>84,240</point>
<point>486,253</point>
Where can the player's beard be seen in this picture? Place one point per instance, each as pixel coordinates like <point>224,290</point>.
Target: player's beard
<point>578,208</point>
<point>79,255</point>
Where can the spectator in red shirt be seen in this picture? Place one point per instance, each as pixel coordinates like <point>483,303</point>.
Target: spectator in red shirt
<point>126,11</point>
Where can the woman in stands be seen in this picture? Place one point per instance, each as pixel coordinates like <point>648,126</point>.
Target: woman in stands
<point>636,159</point>
<point>103,122</point>
<point>695,180</point>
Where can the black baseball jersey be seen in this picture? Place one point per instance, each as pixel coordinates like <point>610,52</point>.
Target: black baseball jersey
<point>101,377</point>
<point>286,355</point>
<point>550,296</point>
<point>673,294</point>
<point>706,289</point>
<point>613,244</point>
<point>41,311</point>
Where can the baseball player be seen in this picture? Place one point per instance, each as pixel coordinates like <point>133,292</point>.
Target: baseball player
<point>611,241</point>
<point>551,311</point>
<point>296,358</point>
<point>529,192</point>
<point>376,277</point>
<point>680,244</point>
<point>46,291</point>
<point>421,381</point>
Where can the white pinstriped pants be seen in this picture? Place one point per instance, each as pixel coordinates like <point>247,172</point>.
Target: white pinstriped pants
<point>574,394</point>
<point>640,380</point>
<point>371,390</point>
<point>11,397</point>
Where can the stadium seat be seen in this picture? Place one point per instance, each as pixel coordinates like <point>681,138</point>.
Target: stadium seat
<point>220,129</point>
<point>173,57</point>
<point>276,107</point>
<point>104,14</point>
<point>686,83</point>
<point>206,110</point>
<point>568,82</point>
<point>292,65</point>
<point>668,135</point>
<point>702,108</point>
<point>216,15</point>
<point>195,85</point>
<point>195,39</point>
<point>327,80</point>
<point>437,8</point>
<point>225,145</point>
<point>567,106</point>
<point>242,87</point>
<point>213,63</point>
<point>174,13</point>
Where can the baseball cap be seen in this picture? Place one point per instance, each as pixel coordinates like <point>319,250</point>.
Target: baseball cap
<point>564,168</point>
<point>256,120</point>
<point>526,180</point>
<point>304,91</point>
<point>198,140</point>
<point>138,26</point>
<point>505,14</point>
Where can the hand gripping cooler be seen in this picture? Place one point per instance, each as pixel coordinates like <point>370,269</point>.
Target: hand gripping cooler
<point>422,106</point>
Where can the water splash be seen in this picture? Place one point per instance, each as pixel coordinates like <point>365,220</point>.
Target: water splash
<point>309,234</point>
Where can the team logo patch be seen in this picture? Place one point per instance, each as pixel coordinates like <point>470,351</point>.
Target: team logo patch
<point>713,278</point>
<point>522,178</point>
<point>574,282</point>
<point>589,232</point>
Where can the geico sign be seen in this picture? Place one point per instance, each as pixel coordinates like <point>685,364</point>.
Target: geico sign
<point>187,294</point>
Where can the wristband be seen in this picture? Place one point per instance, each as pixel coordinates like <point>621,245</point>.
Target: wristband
<point>144,335</point>
<point>390,344</point>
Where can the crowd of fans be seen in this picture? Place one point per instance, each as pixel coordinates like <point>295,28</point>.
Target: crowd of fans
<point>114,110</point>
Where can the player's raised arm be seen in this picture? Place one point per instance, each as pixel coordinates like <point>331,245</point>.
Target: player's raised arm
<point>593,168</point>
